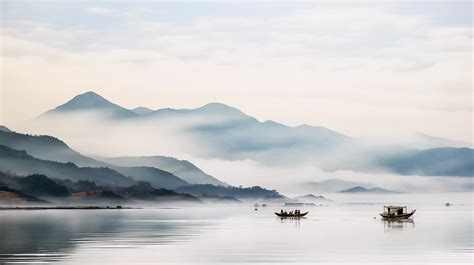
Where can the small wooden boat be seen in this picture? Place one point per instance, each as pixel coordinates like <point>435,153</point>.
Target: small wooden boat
<point>396,212</point>
<point>291,215</point>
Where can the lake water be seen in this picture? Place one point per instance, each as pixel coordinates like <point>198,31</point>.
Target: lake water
<point>342,233</point>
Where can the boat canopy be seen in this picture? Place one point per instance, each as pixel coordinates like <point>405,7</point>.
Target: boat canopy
<point>393,207</point>
<point>397,210</point>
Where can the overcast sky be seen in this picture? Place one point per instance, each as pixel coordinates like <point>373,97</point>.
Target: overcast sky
<point>361,69</point>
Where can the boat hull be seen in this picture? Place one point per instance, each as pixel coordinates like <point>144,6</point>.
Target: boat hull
<point>401,216</point>
<point>291,215</point>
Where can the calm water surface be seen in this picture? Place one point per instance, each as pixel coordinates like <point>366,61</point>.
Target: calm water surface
<point>342,233</point>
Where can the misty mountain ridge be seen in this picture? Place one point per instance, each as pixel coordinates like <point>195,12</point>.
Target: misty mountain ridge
<point>420,140</point>
<point>182,168</point>
<point>91,101</point>
<point>33,175</point>
<point>46,147</point>
<point>425,141</point>
<point>21,163</point>
<point>220,131</point>
<point>50,148</point>
<point>442,161</point>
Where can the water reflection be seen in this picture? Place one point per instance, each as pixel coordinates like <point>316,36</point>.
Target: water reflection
<point>51,236</point>
<point>41,237</point>
<point>398,225</point>
<point>292,220</point>
<point>233,235</point>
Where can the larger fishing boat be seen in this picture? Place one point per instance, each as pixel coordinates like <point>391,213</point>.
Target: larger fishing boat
<point>396,212</point>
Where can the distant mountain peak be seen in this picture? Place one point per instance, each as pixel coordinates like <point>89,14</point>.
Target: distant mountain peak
<point>221,109</point>
<point>92,101</point>
<point>216,106</point>
<point>89,99</point>
<point>309,196</point>
<point>274,124</point>
<point>142,110</point>
<point>90,94</point>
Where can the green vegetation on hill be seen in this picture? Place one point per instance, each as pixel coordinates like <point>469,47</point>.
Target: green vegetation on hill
<point>68,191</point>
<point>12,196</point>
<point>40,185</point>
<point>256,192</point>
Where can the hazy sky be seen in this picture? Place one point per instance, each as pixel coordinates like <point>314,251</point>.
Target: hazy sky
<point>361,69</point>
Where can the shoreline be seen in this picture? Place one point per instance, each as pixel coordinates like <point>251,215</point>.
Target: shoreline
<point>65,208</point>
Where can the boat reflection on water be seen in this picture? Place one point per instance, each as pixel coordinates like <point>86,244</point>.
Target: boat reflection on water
<point>292,220</point>
<point>398,224</point>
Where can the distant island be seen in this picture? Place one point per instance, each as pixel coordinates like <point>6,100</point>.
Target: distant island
<point>359,189</point>
<point>330,185</point>
<point>310,198</point>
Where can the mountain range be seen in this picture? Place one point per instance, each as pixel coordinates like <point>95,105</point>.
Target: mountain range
<point>219,131</point>
<point>27,189</point>
<point>181,168</point>
<point>50,148</point>
<point>34,167</point>
<point>21,163</point>
<point>214,130</point>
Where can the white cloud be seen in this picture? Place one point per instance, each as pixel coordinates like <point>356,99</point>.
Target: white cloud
<point>99,10</point>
